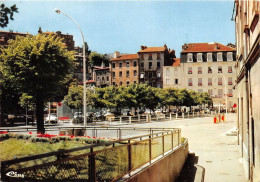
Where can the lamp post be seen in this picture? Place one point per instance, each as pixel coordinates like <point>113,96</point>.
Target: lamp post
<point>225,88</point>
<point>84,65</point>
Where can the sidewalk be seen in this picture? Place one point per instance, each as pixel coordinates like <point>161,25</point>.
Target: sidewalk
<point>213,150</point>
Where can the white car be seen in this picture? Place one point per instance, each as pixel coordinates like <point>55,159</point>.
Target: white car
<point>51,118</point>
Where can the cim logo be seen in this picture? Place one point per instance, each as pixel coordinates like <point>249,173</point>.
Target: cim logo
<point>14,174</point>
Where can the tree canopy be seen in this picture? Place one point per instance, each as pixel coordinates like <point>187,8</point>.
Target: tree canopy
<point>7,13</point>
<point>38,66</point>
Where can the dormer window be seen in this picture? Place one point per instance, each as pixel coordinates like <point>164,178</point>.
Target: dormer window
<point>209,57</point>
<point>189,57</point>
<point>230,56</point>
<point>219,56</point>
<point>199,57</point>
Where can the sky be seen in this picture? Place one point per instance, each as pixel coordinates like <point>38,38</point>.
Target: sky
<point>125,25</point>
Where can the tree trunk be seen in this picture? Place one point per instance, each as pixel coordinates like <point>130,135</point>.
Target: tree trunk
<point>40,115</point>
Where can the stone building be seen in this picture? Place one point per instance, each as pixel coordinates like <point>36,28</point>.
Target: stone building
<point>210,67</point>
<point>101,76</point>
<point>248,84</point>
<point>152,61</point>
<point>172,75</point>
<point>124,69</point>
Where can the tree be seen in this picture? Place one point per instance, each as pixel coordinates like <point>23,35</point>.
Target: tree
<point>168,96</point>
<point>96,59</point>
<point>38,66</point>
<point>74,99</point>
<point>6,14</point>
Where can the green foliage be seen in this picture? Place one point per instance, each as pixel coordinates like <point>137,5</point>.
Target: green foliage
<point>26,101</point>
<point>96,59</point>
<point>74,99</point>
<point>6,14</point>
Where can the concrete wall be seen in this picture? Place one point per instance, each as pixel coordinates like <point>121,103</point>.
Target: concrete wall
<point>166,169</point>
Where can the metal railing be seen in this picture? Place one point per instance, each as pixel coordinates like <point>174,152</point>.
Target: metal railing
<point>100,162</point>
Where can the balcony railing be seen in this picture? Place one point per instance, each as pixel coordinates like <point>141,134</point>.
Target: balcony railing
<point>219,83</point>
<point>230,83</point>
<point>199,72</point>
<point>199,84</point>
<point>190,84</point>
<point>230,71</point>
<point>189,72</point>
<point>209,83</point>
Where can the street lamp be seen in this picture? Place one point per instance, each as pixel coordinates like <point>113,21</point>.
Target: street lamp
<point>225,89</point>
<point>84,66</point>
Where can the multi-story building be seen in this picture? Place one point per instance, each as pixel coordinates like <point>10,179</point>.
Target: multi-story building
<point>6,36</point>
<point>172,75</point>
<point>152,61</point>
<point>248,84</point>
<point>124,69</point>
<point>101,76</point>
<point>210,67</point>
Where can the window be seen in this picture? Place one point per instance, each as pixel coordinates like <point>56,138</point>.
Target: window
<point>113,74</point>
<point>150,65</point>
<point>120,74</point>
<point>150,75</point>
<point>107,78</point>
<point>142,56</point>
<point>150,56</point>
<point>135,63</point>
<point>167,72</point>
<point>190,82</point>
<point>167,81</point>
<point>127,64</point>
<point>210,92</point>
<point>158,65</point>
<point>142,65</point>
<point>141,75</point>
<point>230,94</point>
<point>219,56</point>
<point>158,75</point>
<point>175,72</point>
<point>209,57</point>
<point>135,73</point>
<point>230,56</point>
<point>199,70</point>
<point>209,70</point>
<point>230,69</point>
<point>209,81</point>
<point>220,81</point>
<point>158,56</point>
<point>121,83</point>
<point>120,65</point>
<point>230,80</point>
<point>127,83</point>
<point>114,83</point>
<point>199,57</point>
<point>220,92</point>
<point>154,74</point>
<point>103,78</point>
<point>176,82</point>
<point>199,81</point>
<point>98,78</point>
<point>189,57</point>
<point>127,74</point>
<point>220,69</point>
<point>113,65</point>
<point>189,70</point>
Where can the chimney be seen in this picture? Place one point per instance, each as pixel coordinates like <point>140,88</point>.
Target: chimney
<point>216,46</point>
<point>116,54</point>
<point>143,47</point>
<point>184,47</point>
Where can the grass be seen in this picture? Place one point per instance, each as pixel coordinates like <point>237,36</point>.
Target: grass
<point>13,148</point>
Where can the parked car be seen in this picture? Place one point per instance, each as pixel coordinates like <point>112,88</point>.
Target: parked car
<point>52,118</point>
<point>126,112</point>
<point>78,115</point>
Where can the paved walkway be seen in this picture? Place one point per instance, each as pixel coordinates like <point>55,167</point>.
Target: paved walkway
<point>214,150</point>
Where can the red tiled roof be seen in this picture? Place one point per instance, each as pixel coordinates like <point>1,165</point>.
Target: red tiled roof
<point>126,57</point>
<point>153,49</point>
<point>206,47</point>
<point>176,62</point>
<point>89,81</point>
<point>14,33</point>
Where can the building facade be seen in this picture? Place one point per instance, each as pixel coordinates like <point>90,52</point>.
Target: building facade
<point>248,84</point>
<point>101,76</point>
<point>172,75</point>
<point>124,69</point>
<point>6,36</point>
<point>210,67</point>
<point>152,61</point>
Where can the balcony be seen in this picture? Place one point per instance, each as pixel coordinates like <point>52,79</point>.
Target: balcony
<point>190,84</point>
<point>199,72</point>
<point>199,84</point>
<point>230,95</point>
<point>230,71</point>
<point>219,83</point>
<point>210,83</point>
<point>230,83</point>
<point>189,72</point>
